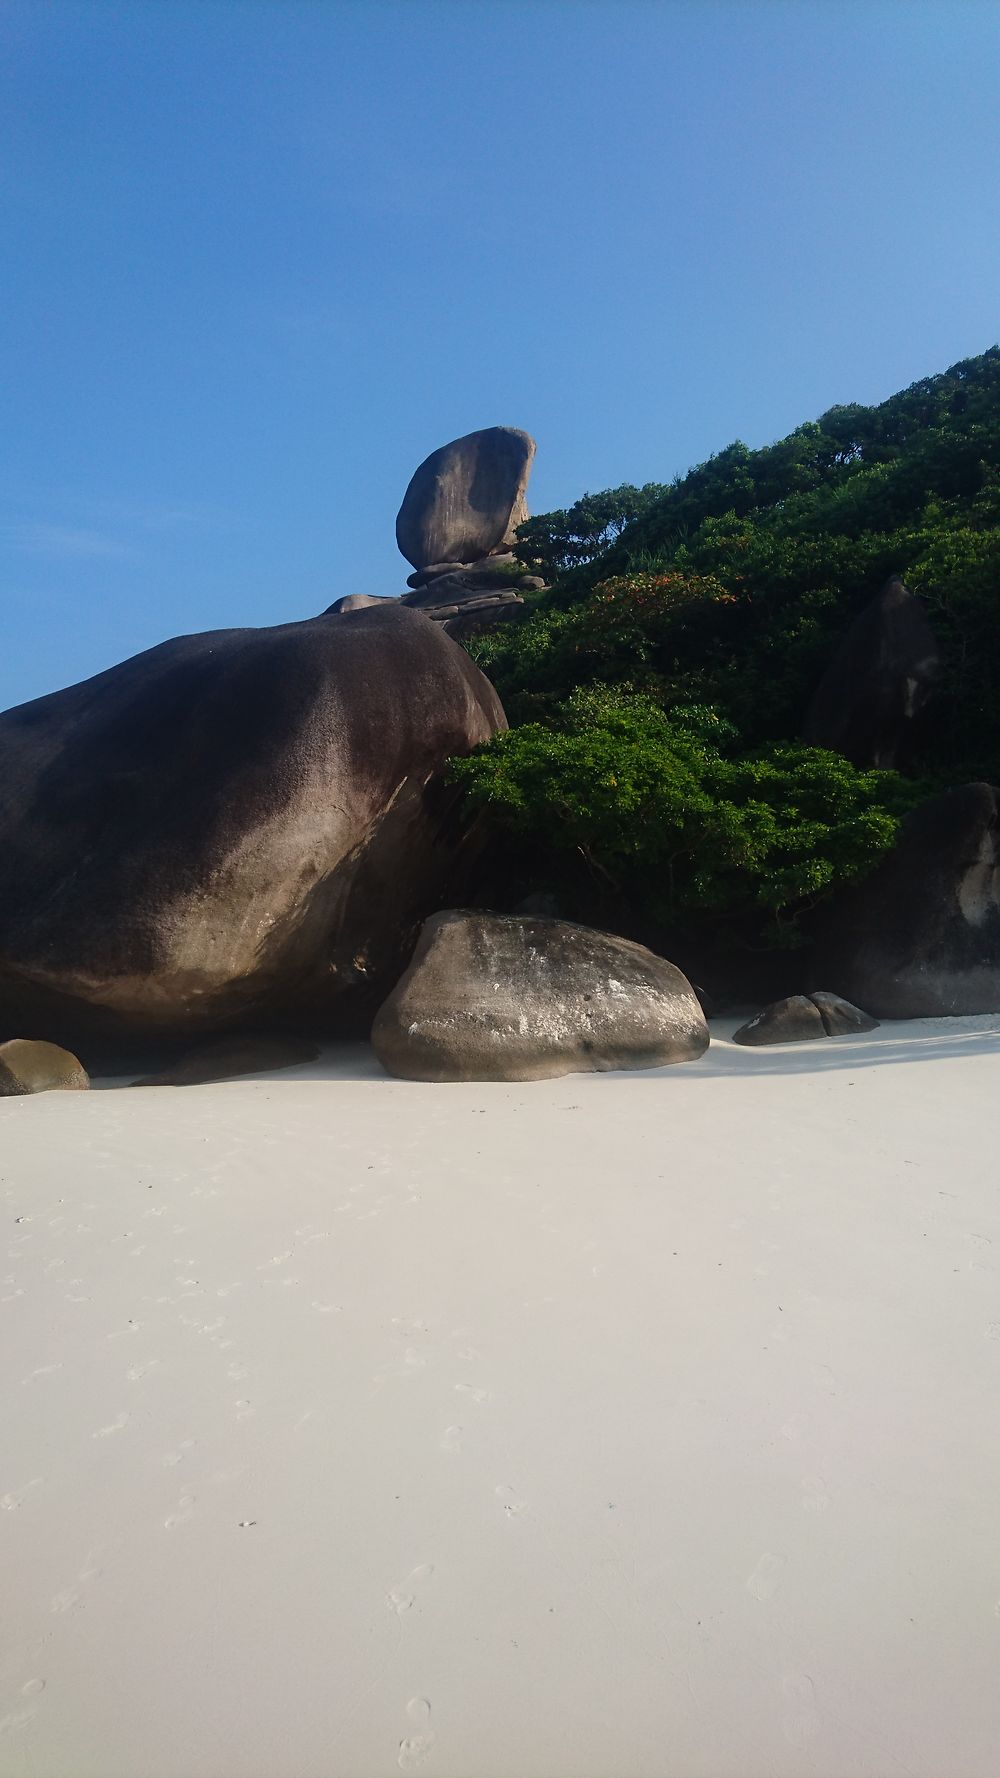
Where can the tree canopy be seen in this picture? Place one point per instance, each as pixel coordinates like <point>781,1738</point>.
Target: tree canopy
<point>726,594</point>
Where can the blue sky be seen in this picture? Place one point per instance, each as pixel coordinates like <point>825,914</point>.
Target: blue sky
<point>260,259</point>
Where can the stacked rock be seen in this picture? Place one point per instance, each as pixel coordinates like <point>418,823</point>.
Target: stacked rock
<point>456,525</point>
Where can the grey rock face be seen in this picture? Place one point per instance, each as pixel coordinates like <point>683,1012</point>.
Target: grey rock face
<point>501,997</point>
<point>467,498</point>
<point>233,828</point>
<point>921,937</point>
<point>490,568</point>
<point>793,1020</point>
<point>879,680</point>
<point>455,589</point>
<point>27,1066</point>
<point>423,576</point>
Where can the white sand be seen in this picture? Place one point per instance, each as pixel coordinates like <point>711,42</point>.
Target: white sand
<point>617,1425</point>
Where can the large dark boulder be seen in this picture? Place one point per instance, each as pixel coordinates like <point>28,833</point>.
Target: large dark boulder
<point>234,828</point>
<point>509,997</point>
<point>466,499</point>
<point>921,936</point>
<point>878,681</point>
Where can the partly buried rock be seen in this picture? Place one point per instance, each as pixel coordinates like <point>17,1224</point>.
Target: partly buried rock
<point>230,1057</point>
<point>236,829</point>
<point>840,1018</point>
<point>466,499</point>
<point>28,1066</point>
<point>920,937</point>
<point>802,1017</point>
<point>877,683</point>
<point>793,1020</point>
<point>507,997</point>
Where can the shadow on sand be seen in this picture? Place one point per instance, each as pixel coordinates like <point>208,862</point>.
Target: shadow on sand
<point>900,1041</point>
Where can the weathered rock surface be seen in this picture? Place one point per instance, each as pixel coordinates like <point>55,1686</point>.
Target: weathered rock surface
<point>877,683</point>
<point>920,938</point>
<point>27,1066</point>
<point>508,997</point>
<point>793,1020</point>
<point>456,589</point>
<point>840,1017</point>
<point>461,623</point>
<point>466,499</point>
<point>232,828</point>
<point>802,1017</point>
<point>422,577</point>
<point>230,1057</point>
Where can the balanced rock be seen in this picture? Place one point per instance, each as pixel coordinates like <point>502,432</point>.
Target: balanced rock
<point>920,937</point>
<point>877,683</point>
<point>508,997</point>
<point>28,1066</point>
<point>466,499</point>
<point>233,828</point>
<point>802,1017</point>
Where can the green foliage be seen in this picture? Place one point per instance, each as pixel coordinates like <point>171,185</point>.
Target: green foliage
<point>560,541</point>
<point>780,549</point>
<point>656,810</point>
<point>654,632</point>
<point>662,682</point>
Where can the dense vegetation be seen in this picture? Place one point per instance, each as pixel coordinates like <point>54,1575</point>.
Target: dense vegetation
<point>653,775</point>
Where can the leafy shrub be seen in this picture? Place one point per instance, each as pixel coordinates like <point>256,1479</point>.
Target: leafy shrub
<point>655,809</point>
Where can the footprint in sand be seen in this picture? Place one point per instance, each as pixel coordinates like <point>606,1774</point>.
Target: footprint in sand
<point>137,1371</point>
<point>765,1580</point>
<point>183,1512</point>
<point>115,1426</point>
<point>800,1718</point>
<point>413,1750</point>
<point>510,1500</point>
<point>402,1597</point>
<point>452,1439</point>
<point>71,1596</point>
<point>172,1458</point>
<point>815,1498</point>
<point>478,1395</point>
<point>19,1719</point>
<point>9,1503</point>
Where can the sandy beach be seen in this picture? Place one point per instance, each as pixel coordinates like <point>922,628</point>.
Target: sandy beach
<point>617,1426</point>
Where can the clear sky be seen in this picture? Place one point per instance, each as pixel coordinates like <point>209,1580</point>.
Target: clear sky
<point>259,259</point>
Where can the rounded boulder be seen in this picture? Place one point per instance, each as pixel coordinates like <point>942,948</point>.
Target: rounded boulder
<point>509,997</point>
<point>234,829</point>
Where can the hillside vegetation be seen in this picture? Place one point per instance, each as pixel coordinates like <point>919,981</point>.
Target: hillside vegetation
<point>653,776</point>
